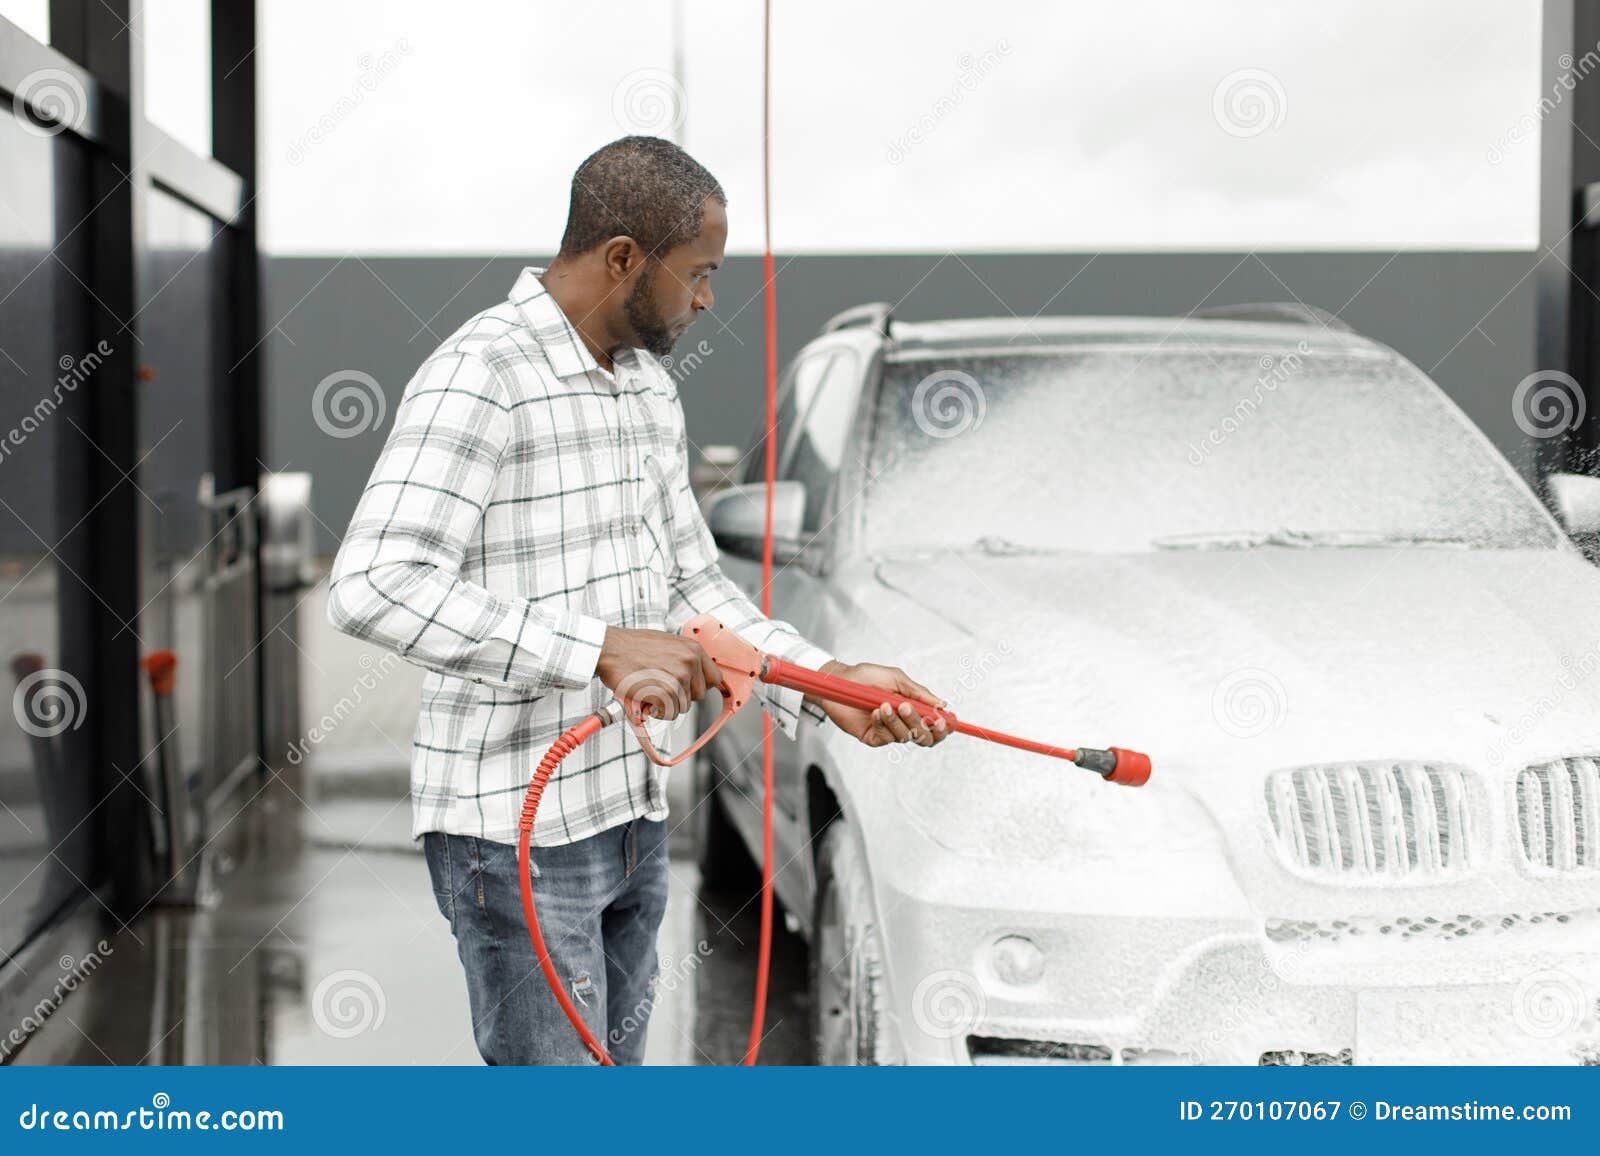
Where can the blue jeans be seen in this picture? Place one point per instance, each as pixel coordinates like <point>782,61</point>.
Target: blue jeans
<point>600,904</point>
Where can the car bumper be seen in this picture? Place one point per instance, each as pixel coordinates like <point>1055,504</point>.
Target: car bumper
<point>1135,989</point>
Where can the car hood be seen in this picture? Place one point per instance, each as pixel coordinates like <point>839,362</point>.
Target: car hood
<point>1264,655</point>
<point>1222,666</point>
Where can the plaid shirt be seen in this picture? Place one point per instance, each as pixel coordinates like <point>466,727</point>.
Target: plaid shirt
<point>524,500</point>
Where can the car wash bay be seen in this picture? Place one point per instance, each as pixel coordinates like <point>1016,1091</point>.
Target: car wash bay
<point>293,876</point>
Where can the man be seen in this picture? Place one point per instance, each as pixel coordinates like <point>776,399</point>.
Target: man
<point>529,536</point>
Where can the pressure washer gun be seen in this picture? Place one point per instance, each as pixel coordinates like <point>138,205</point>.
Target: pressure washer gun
<point>742,665</point>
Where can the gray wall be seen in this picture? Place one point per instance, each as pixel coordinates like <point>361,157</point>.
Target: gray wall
<point>1468,318</point>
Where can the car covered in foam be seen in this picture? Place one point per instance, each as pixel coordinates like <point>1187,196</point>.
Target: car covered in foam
<point>1268,551</point>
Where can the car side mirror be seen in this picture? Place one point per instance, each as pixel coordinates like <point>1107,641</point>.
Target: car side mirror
<point>737,517</point>
<point>1577,501</point>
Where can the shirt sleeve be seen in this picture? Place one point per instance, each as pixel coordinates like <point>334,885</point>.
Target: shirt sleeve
<point>396,580</point>
<point>697,585</point>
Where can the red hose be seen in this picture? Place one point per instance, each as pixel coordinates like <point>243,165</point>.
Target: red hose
<point>560,749</point>
<point>570,740</point>
<point>758,1015</point>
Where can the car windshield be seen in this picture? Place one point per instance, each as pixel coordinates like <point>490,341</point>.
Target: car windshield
<point>1150,448</point>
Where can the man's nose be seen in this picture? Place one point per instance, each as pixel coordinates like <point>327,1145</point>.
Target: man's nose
<point>705,299</point>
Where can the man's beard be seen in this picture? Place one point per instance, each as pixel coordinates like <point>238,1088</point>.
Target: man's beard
<point>652,333</point>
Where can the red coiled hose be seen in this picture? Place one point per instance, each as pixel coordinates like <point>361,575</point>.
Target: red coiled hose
<point>560,749</point>
<point>570,740</point>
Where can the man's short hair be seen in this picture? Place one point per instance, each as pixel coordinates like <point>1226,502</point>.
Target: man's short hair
<point>641,187</point>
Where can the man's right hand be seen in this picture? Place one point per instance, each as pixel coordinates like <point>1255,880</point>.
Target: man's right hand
<point>667,671</point>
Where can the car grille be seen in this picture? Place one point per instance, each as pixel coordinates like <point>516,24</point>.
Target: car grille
<point>1381,821</point>
<point>985,1050</point>
<point>1558,814</point>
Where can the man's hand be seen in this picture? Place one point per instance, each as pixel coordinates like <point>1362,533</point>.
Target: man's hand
<point>881,726</point>
<point>667,671</point>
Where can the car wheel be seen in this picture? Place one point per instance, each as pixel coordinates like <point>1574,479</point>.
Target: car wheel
<point>724,861</point>
<point>849,997</point>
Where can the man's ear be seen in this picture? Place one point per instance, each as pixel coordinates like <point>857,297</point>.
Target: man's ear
<point>621,255</point>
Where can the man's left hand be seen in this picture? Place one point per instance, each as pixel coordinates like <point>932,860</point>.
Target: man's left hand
<point>883,725</point>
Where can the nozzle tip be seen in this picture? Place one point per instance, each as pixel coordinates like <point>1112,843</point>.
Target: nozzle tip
<point>1132,769</point>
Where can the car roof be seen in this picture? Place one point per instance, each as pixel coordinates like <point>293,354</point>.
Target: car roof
<point>908,338</point>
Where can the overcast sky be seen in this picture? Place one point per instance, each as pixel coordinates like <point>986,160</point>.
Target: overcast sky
<point>413,126</point>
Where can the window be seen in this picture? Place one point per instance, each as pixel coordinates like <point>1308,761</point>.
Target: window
<point>818,449</point>
<point>795,395</point>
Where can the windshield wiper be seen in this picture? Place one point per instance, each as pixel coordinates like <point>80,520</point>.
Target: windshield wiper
<point>996,545</point>
<point>1303,539</point>
<point>1214,540</point>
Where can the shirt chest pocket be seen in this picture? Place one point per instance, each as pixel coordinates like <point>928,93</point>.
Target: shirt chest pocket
<point>655,526</point>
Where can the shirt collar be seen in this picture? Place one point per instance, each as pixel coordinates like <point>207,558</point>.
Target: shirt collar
<point>556,335</point>
<point>564,347</point>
